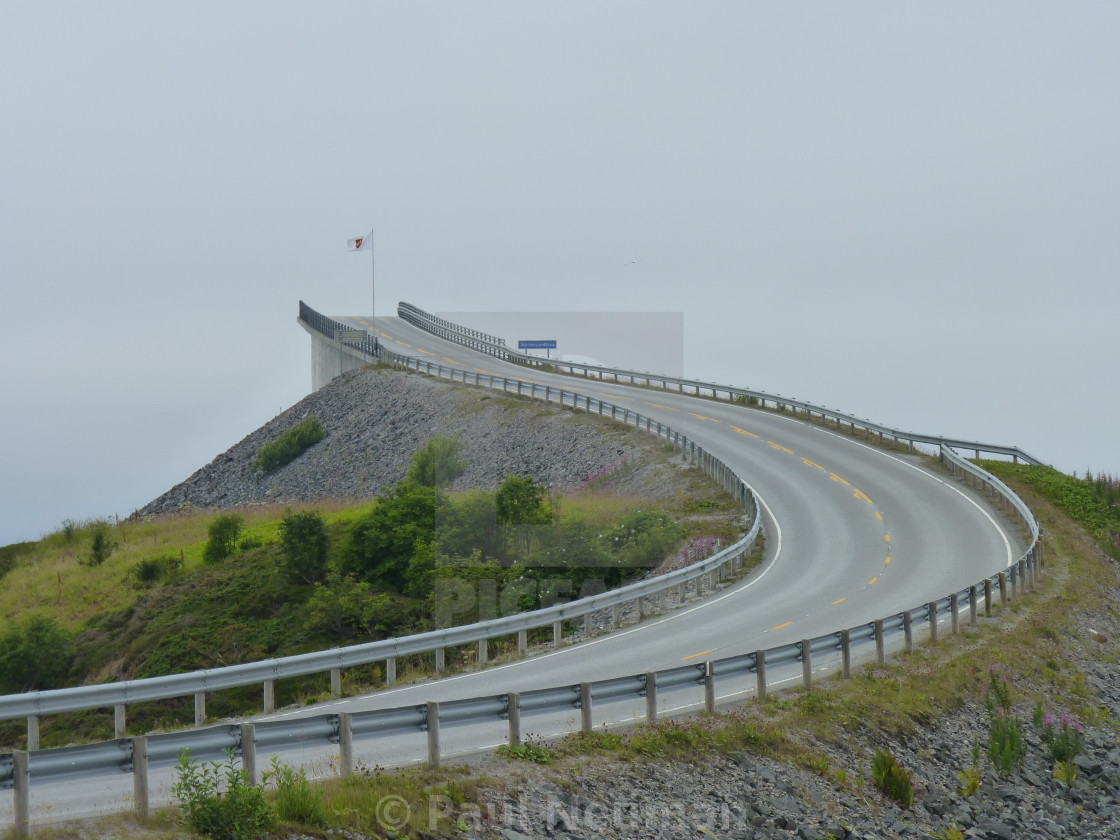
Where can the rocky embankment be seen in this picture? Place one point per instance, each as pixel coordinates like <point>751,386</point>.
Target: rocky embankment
<point>376,419</point>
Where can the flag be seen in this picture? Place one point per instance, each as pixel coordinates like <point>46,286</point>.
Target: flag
<point>362,243</point>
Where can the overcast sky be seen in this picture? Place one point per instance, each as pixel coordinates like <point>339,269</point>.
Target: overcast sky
<point>910,212</point>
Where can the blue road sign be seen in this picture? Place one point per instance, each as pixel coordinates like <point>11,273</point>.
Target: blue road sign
<point>537,345</point>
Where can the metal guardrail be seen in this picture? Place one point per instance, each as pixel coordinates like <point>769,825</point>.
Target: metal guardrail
<point>360,340</point>
<point>451,328</point>
<point>211,742</point>
<point>39,703</point>
<point>444,329</point>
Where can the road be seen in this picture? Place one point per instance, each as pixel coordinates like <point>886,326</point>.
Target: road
<point>853,533</point>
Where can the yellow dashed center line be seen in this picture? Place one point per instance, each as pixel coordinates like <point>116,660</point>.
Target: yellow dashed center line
<point>839,480</point>
<point>839,601</point>
<point>859,494</point>
<point>888,561</point>
<point>779,627</point>
<point>693,656</point>
<point>879,516</point>
<point>448,360</point>
<point>779,447</point>
<point>666,407</point>
<point>887,537</point>
<point>809,463</point>
<point>744,431</point>
<point>702,417</point>
<point>872,581</point>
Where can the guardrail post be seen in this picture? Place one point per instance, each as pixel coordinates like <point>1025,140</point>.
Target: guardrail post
<point>1002,589</point>
<point>336,682</point>
<point>651,697</point>
<point>200,708</point>
<point>483,652</point>
<point>933,621</point>
<point>760,674</point>
<point>615,617</point>
<point>440,660</point>
<point>1013,580</point>
<point>249,752</point>
<point>588,625</point>
<point>972,605</point>
<point>33,733</point>
<point>908,630</point>
<point>585,707</point>
<point>845,653</point>
<point>433,734</point>
<point>269,697</point>
<point>709,688</point>
<point>345,744</point>
<point>522,642</point>
<point>513,709</point>
<point>806,663</point>
<point>880,642</point>
<point>21,810</point>
<point>557,633</point>
<point>390,671</point>
<point>119,725</point>
<point>955,612</point>
<point>140,775</point>
<point>988,597</point>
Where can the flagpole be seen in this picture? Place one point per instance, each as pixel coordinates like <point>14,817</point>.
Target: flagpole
<point>372,287</point>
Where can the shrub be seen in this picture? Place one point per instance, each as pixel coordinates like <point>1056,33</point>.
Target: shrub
<point>100,547</point>
<point>290,445</point>
<point>223,533</point>
<point>438,463</point>
<point>305,542</point>
<point>218,800</point>
<point>152,569</point>
<point>889,777</point>
<point>34,654</point>
<point>296,800</point>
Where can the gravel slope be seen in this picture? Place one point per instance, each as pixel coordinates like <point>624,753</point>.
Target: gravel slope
<point>377,418</point>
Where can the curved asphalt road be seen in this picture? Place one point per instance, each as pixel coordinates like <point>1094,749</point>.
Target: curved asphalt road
<point>853,533</point>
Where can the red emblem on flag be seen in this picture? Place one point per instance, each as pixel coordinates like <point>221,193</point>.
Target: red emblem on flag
<point>358,242</point>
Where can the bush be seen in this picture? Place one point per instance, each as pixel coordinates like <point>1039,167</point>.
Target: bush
<point>100,547</point>
<point>34,654</point>
<point>219,801</point>
<point>290,445</point>
<point>306,543</point>
<point>152,569</point>
<point>439,463</point>
<point>223,533</point>
<point>889,777</point>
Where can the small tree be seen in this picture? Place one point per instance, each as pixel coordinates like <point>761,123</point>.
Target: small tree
<point>439,462</point>
<point>306,543</point>
<point>521,504</point>
<point>223,533</point>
